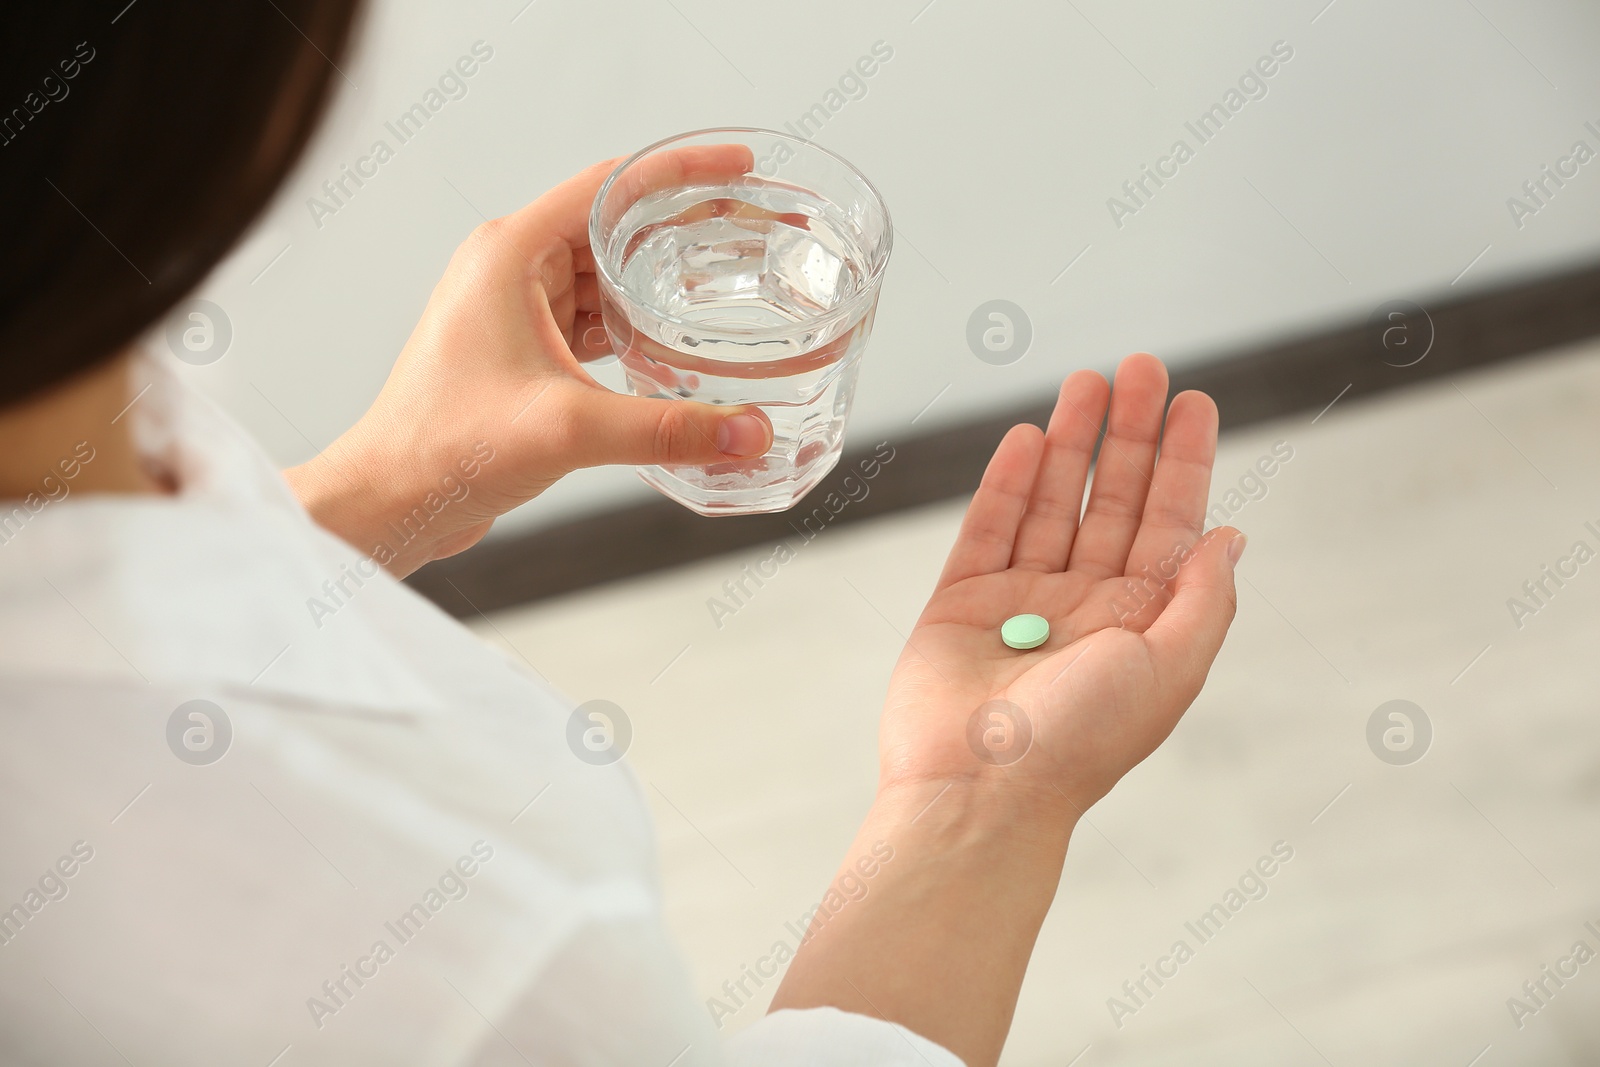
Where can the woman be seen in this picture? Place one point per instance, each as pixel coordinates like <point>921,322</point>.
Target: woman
<point>400,860</point>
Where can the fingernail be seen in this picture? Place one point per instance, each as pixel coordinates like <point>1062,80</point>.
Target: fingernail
<point>742,435</point>
<point>1236,548</point>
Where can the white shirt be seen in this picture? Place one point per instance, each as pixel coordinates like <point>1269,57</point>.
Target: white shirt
<point>396,858</point>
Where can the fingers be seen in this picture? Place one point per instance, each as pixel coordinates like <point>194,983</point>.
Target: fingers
<point>681,166</point>
<point>1044,539</point>
<point>563,212</point>
<point>1185,637</point>
<point>586,292</point>
<point>1122,476</point>
<point>601,427</point>
<point>589,340</point>
<point>1174,513</point>
<point>989,531</point>
<point>724,207</point>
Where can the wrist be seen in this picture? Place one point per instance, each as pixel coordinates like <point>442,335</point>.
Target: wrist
<point>935,931</point>
<point>1030,824</point>
<point>362,504</point>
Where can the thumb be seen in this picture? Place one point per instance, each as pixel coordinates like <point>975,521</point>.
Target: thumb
<point>1188,633</point>
<point>608,427</point>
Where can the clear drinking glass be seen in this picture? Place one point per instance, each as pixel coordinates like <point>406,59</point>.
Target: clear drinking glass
<point>742,266</point>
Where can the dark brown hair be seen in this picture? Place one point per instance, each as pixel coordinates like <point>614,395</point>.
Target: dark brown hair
<point>137,142</point>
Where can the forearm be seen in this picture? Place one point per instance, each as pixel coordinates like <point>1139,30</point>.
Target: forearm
<point>940,940</point>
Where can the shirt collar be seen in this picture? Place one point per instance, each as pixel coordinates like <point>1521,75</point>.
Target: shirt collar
<point>208,589</point>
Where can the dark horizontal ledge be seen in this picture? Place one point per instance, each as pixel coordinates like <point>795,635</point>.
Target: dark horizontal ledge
<point>1302,374</point>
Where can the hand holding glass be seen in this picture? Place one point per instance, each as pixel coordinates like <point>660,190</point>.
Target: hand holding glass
<point>742,266</point>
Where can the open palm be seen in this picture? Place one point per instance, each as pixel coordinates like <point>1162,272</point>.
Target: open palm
<point>1137,599</point>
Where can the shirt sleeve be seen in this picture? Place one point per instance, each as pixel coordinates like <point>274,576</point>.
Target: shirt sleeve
<point>617,993</point>
<point>828,1037</point>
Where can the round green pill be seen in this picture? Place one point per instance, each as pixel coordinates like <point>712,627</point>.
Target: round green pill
<point>1025,631</point>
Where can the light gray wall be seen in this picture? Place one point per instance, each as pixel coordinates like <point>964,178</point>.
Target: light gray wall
<point>1378,164</point>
